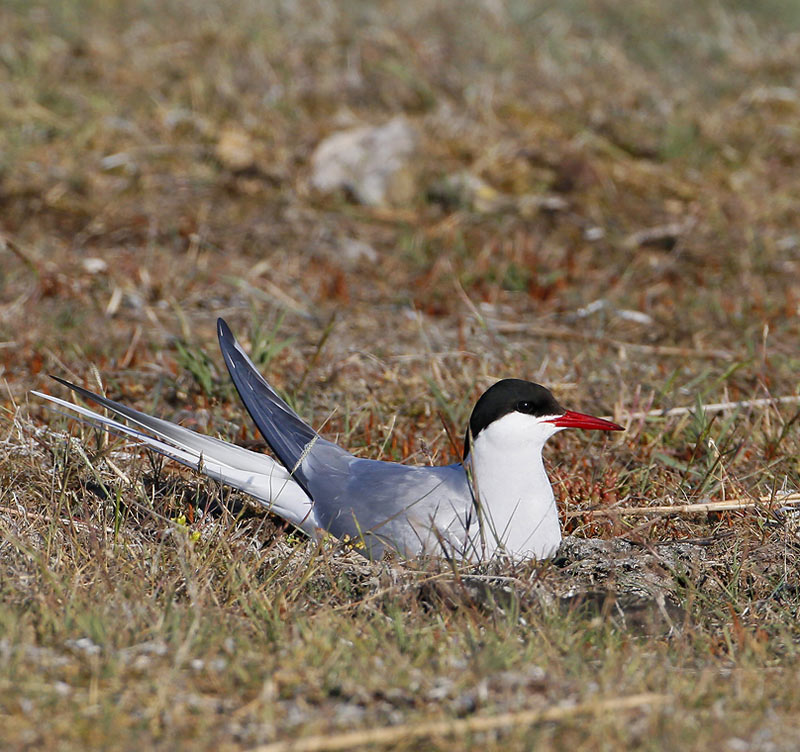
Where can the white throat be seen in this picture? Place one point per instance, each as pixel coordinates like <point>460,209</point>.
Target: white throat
<point>516,501</point>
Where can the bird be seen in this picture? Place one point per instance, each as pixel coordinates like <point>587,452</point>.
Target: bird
<point>496,502</point>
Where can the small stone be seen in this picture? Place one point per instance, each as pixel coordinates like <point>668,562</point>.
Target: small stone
<point>357,250</point>
<point>94,265</point>
<point>373,163</point>
<point>235,148</point>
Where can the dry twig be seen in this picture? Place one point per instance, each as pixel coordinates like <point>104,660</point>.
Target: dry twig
<point>513,327</point>
<point>407,731</point>
<point>714,407</point>
<point>732,505</point>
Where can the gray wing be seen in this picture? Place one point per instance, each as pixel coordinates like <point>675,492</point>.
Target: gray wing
<point>413,510</point>
<point>292,440</point>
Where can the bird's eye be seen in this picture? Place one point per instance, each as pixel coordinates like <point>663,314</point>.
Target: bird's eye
<point>525,407</point>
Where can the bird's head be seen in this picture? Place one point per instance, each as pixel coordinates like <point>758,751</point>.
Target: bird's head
<point>522,414</point>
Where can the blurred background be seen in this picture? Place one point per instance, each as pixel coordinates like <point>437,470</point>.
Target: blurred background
<point>394,200</point>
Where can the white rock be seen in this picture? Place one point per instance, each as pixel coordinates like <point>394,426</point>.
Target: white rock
<point>355,250</point>
<point>94,265</point>
<point>372,162</point>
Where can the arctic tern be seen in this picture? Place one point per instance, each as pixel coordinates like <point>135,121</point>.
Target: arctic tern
<point>497,501</point>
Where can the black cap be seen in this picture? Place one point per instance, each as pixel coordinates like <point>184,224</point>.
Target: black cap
<point>510,396</point>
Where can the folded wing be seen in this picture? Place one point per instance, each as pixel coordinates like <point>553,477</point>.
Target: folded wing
<point>287,435</point>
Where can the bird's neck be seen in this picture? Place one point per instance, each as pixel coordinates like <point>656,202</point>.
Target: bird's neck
<point>515,499</point>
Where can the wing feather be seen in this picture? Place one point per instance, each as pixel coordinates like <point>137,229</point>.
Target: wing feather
<point>291,439</point>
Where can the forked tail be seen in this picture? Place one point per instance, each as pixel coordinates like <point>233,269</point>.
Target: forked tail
<point>251,472</point>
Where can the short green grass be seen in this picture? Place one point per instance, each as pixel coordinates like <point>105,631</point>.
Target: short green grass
<point>143,606</point>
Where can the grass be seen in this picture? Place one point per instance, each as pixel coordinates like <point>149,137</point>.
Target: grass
<point>641,161</point>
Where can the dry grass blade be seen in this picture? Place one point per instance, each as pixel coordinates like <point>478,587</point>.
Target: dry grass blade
<point>714,407</point>
<point>45,518</point>
<point>731,505</point>
<point>475,724</point>
<point>560,333</point>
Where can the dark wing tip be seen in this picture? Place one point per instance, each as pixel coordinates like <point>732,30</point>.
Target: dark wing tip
<point>224,331</point>
<point>64,382</point>
<point>85,393</point>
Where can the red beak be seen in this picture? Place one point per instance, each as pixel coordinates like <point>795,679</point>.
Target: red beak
<point>571,419</point>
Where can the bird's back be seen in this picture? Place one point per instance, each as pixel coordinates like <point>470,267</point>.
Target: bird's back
<point>380,505</point>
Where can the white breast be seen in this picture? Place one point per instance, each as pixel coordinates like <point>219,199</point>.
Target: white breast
<point>515,497</point>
